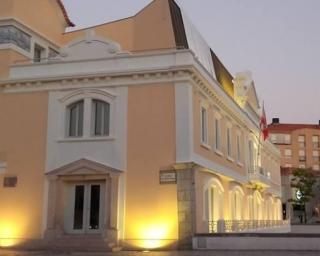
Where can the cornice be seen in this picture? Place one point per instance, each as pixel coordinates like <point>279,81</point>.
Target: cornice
<point>96,80</point>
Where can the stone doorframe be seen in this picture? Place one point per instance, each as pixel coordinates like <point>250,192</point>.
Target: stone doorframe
<point>82,170</point>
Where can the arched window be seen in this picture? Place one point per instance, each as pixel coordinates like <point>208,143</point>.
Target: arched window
<point>257,205</point>
<point>75,119</point>
<point>100,118</point>
<point>250,208</point>
<point>236,203</point>
<point>213,200</point>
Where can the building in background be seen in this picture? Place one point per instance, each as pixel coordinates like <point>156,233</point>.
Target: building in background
<point>299,146</point>
<point>129,133</point>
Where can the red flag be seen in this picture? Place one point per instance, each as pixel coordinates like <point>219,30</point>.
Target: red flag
<point>263,124</point>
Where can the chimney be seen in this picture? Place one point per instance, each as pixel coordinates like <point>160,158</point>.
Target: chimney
<point>277,120</point>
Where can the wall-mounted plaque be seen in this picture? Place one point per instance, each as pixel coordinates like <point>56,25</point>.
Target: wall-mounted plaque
<point>168,177</point>
<point>10,182</point>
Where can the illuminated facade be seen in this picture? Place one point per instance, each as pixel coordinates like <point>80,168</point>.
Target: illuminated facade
<point>132,133</point>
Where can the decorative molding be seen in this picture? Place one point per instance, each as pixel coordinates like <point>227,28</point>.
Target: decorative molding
<point>83,167</point>
<point>86,91</point>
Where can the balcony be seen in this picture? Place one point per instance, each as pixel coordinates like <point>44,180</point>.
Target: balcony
<point>243,226</point>
<point>259,176</point>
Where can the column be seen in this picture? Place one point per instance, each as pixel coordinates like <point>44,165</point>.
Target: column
<point>112,221</point>
<point>51,208</point>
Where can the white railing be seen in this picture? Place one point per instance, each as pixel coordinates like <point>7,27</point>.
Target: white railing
<point>257,170</point>
<point>238,226</point>
<point>258,174</point>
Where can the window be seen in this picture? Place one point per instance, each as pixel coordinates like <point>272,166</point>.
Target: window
<point>229,142</point>
<point>38,53</point>
<point>10,182</point>
<point>12,35</point>
<point>217,129</point>
<point>209,203</point>
<point>315,155</point>
<point>213,202</point>
<point>100,118</point>
<point>281,139</point>
<point>204,125</point>
<point>75,118</point>
<point>52,53</point>
<point>302,155</point>
<point>287,139</point>
<point>236,205</point>
<point>288,165</point>
<point>315,141</point>
<point>287,153</point>
<point>251,156</point>
<point>302,166</point>
<point>238,149</point>
<point>302,141</point>
<point>316,167</point>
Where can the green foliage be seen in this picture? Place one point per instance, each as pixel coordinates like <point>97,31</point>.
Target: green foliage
<point>303,180</point>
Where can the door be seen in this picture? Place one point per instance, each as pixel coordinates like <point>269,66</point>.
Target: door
<point>85,208</point>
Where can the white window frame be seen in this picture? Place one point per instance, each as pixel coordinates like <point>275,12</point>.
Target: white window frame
<point>204,125</point>
<point>252,161</point>
<point>87,95</point>
<point>77,134</point>
<point>93,119</point>
<point>229,141</point>
<point>238,145</point>
<point>213,207</point>
<point>217,133</point>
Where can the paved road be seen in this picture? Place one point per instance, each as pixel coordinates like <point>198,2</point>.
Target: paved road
<point>171,253</point>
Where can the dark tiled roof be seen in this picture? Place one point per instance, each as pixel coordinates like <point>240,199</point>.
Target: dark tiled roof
<point>291,127</point>
<point>65,14</point>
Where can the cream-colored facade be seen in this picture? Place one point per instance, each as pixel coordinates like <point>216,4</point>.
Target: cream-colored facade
<point>131,133</point>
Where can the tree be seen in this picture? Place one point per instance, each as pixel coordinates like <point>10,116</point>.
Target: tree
<point>303,181</point>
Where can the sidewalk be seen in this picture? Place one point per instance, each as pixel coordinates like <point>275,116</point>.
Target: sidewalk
<point>168,253</point>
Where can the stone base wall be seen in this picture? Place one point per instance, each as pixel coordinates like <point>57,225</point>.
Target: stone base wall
<point>186,207</point>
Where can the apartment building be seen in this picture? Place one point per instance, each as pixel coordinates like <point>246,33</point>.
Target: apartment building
<point>299,146</point>
<point>130,133</point>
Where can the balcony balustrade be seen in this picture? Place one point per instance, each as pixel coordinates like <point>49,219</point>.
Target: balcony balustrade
<point>243,226</point>
<point>258,175</point>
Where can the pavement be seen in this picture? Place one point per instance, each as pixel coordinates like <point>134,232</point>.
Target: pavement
<point>163,253</point>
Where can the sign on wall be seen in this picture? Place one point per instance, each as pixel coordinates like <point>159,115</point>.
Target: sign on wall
<point>168,177</point>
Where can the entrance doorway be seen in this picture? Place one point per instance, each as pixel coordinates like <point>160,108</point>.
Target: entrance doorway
<point>85,208</point>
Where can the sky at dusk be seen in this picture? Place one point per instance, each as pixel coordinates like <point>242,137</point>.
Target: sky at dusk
<point>278,41</point>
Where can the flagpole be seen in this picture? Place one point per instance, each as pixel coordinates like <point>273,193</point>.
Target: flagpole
<point>259,142</point>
